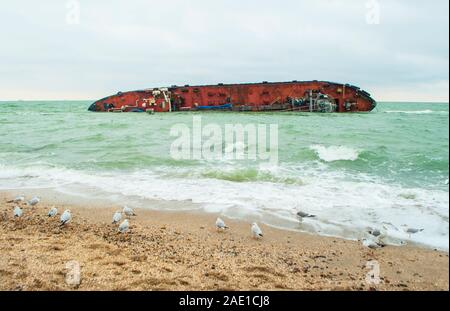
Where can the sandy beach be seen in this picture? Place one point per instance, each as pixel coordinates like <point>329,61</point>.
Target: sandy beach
<point>184,251</point>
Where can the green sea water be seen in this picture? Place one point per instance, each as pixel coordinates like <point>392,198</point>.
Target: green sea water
<point>387,167</point>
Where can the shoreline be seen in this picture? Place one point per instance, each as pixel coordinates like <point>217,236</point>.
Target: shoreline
<point>173,250</point>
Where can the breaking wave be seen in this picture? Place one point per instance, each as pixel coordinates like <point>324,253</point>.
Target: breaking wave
<point>427,111</point>
<point>335,153</point>
<point>344,208</point>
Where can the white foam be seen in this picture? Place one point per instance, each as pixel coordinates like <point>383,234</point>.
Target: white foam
<point>335,153</point>
<point>427,111</point>
<point>344,208</point>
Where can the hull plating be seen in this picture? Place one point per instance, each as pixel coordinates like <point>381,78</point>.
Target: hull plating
<point>312,96</point>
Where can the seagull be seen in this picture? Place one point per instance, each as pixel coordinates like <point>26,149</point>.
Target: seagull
<point>302,215</point>
<point>117,217</point>
<point>256,231</point>
<point>414,230</point>
<point>128,211</point>
<point>220,224</point>
<point>18,212</point>
<point>34,201</point>
<point>65,218</point>
<point>370,244</point>
<point>53,212</point>
<point>19,198</point>
<point>124,226</point>
<point>374,232</point>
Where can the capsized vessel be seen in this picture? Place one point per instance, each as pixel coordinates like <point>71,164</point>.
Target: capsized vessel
<point>303,96</point>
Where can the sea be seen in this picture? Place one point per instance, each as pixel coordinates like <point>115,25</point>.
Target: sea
<point>387,169</point>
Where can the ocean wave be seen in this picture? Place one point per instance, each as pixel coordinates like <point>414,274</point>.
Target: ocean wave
<point>345,208</point>
<point>427,111</point>
<point>251,175</point>
<point>335,153</point>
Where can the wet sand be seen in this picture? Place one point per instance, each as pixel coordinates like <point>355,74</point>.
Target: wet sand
<point>184,251</point>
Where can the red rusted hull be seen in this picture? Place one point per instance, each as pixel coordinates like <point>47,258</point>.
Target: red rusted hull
<point>313,96</point>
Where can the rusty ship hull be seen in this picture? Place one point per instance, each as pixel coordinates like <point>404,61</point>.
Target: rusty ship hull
<point>302,96</point>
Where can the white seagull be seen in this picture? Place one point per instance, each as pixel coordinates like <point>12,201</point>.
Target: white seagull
<point>65,218</point>
<point>124,226</point>
<point>414,230</point>
<point>370,244</point>
<point>128,211</point>
<point>377,233</point>
<point>220,224</point>
<point>374,232</point>
<point>17,199</point>
<point>301,215</point>
<point>256,231</point>
<point>34,201</point>
<point>117,217</point>
<point>52,212</point>
<point>18,212</point>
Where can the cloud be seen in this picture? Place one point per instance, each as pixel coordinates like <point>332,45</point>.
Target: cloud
<point>122,45</point>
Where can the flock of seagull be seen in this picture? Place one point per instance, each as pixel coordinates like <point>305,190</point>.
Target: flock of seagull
<point>375,240</point>
<point>65,218</point>
<point>124,226</point>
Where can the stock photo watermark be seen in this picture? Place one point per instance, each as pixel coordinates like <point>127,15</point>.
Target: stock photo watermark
<point>73,273</point>
<point>257,142</point>
<point>73,12</point>
<point>373,12</point>
<point>373,276</point>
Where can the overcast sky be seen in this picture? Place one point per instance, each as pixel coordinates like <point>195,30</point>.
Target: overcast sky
<point>127,45</point>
